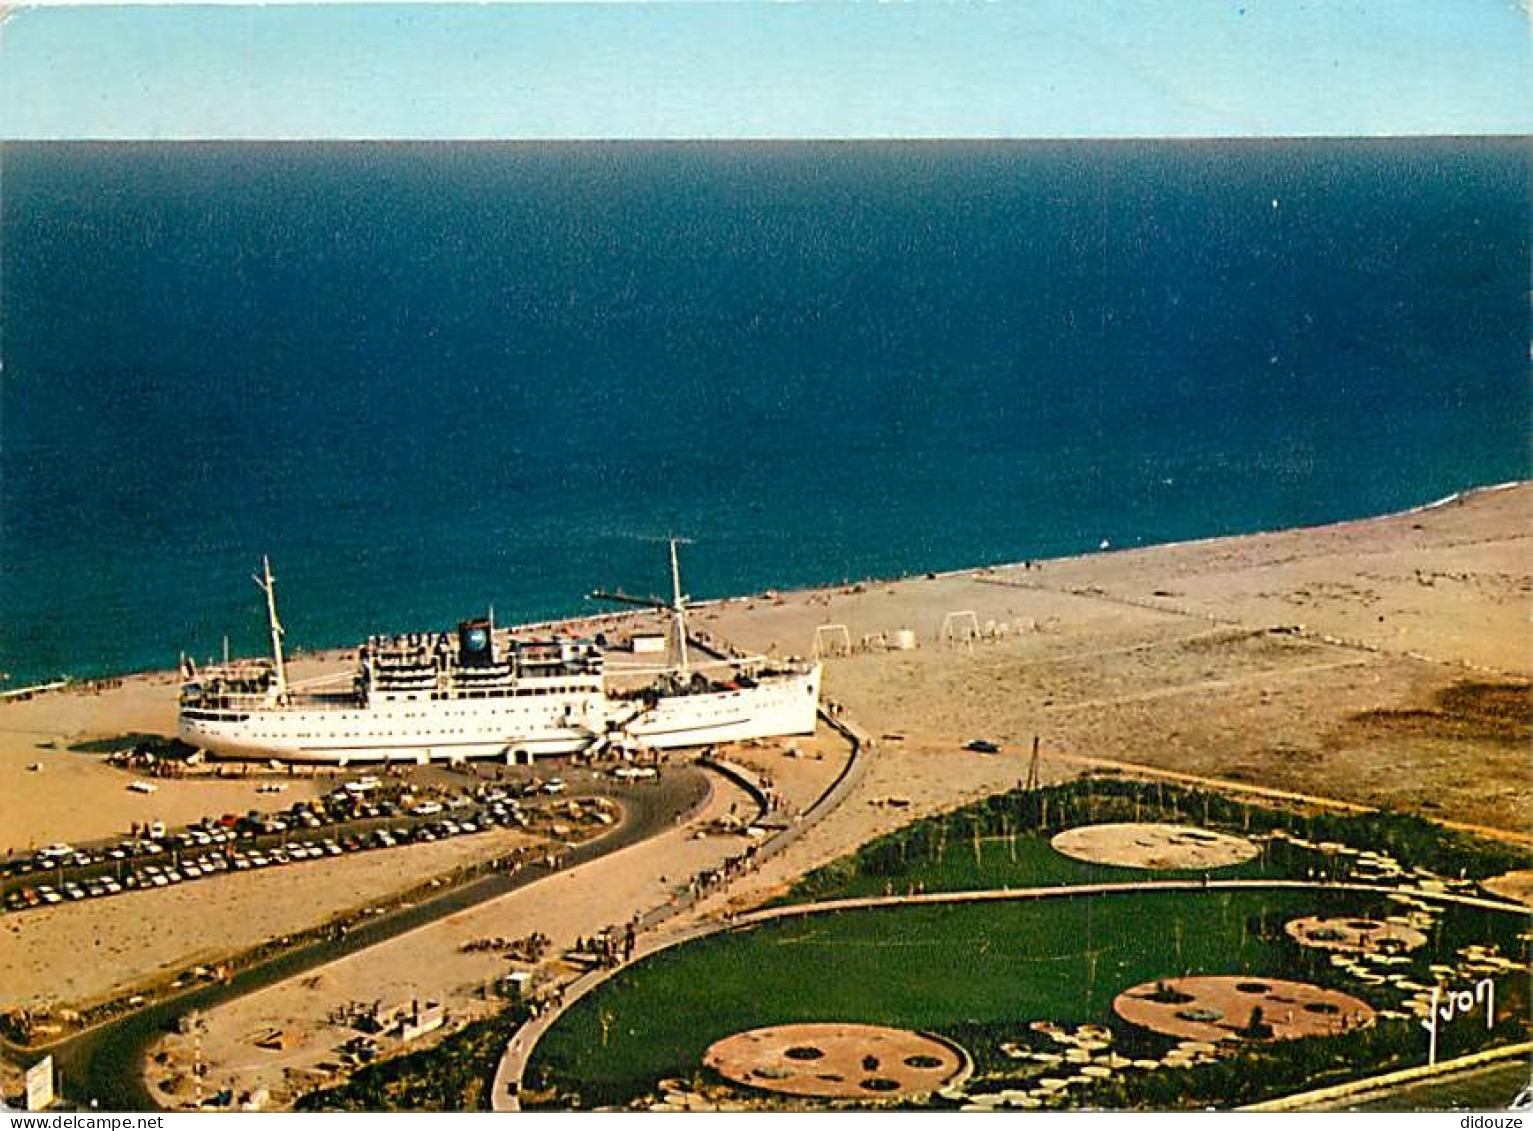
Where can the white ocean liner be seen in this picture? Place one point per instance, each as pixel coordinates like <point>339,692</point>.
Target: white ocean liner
<point>484,692</point>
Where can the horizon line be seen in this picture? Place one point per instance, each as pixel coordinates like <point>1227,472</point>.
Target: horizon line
<point>773,139</point>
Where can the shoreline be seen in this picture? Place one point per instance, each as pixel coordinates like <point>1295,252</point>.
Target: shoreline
<point>1334,663</point>
<point>1376,660</point>
<point>69,683</point>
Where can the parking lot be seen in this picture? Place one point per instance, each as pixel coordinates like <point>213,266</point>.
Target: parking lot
<point>362,814</point>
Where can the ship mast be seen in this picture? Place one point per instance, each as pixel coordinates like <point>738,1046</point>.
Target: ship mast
<point>679,611</point>
<point>267,584</point>
<point>676,606</point>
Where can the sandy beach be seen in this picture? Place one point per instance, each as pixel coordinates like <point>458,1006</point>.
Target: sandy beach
<point>79,797</point>
<point>1312,660</point>
<point>1104,655</point>
<point>1382,662</point>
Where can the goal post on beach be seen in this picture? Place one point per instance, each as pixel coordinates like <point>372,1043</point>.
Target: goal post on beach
<point>960,627</point>
<point>831,640</point>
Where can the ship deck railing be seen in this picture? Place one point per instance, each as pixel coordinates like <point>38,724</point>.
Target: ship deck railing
<point>252,704</point>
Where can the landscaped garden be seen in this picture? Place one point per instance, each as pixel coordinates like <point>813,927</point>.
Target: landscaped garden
<point>1003,841</point>
<point>1027,986</point>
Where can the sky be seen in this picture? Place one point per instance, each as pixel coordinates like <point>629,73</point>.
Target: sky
<point>1009,68</point>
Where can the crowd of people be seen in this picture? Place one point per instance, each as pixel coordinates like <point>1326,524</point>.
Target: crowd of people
<point>611,946</point>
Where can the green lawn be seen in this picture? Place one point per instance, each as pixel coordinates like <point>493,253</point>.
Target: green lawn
<point>1023,860</point>
<point>917,967</point>
<point>980,972</point>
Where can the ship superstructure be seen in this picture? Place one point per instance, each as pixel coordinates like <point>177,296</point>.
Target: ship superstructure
<point>488,692</point>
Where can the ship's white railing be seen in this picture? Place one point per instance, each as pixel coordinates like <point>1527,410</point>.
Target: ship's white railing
<point>340,679</point>
<point>259,704</point>
<point>737,662</point>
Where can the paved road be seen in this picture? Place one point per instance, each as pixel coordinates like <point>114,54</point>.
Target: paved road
<point>1485,1089</point>
<point>105,1063</point>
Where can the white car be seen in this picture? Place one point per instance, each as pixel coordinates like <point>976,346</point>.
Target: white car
<point>426,809</point>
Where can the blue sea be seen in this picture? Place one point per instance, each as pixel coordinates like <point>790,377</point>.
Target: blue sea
<point>429,378</point>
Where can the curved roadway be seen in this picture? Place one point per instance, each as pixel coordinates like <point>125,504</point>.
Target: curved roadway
<point>105,1064</point>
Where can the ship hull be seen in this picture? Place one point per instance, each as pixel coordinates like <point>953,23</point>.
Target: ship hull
<point>510,729</point>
